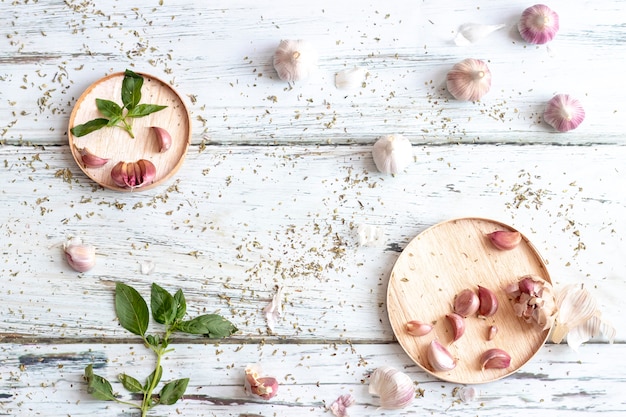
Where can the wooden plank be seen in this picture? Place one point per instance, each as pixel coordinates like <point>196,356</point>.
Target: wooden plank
<point>203,234</point>
<point>47,380</point>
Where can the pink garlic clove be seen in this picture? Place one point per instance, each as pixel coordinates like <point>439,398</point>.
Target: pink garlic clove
<point>466,303</point>
<point>418,328</point>
<point>90,160</point>
<point>458,325</point>
<point>262,387</point>
<point>538,24</point>
<point>439,358</point>
<point>504,239</point>
<point>163,137</point>
<point>564,113</point>
<point>133,174</point>
<point>79,256</point>
<point>469,80</point>
<point>488,302</point>
<point>495,359</point>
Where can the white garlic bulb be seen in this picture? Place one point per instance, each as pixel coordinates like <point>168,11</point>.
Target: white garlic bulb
<point>469,80</point>
<point>394,388</point>
<point>392,153</point>
<point>294,60</point>
<point>80,257</point>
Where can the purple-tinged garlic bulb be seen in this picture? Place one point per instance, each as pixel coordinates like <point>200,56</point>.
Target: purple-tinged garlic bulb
<point>564,113</point>
<point>469,80</point>
<point>539,24</point>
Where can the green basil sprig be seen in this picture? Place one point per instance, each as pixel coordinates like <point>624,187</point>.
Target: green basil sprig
<point>116,115</point>
<point>134,315</point>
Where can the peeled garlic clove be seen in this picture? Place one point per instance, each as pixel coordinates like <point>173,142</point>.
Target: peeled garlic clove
<point>564,113</point>
<point>394,388</point>
<point>350,79</point>
<point>418,328</point>
<point>79,256</point>
<point>392,154</point>
<point>294,60</point>
<point>163,137</point>
<point>133,174</point>
<point>90,160</point>
<point>469,80</point>
<point>488,302</point>
<point>495,359</point>
<point>504,239</point>
<point>439,358</point>
<point>466,303</point>
<point>458,325</point>
<point>472,32</point>
<point>539,24</point>
<point>257,386</point>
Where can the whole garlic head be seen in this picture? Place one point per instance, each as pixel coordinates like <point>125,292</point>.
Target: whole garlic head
<point>392,154</point>
<point>294,60</point>
<point>394,388</point>
<point>469,80</point>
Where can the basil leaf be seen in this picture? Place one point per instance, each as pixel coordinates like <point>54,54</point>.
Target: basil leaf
<point>154,376</point>
<point>98,386</point>
<point>109,108</point>
<point>114,121</point>
<point>90,126</point>
<point>163,305</point>
<point>153,341</point>
<point>181,304</point>
<point>131,89</point>
<point>130,383</point>
<point>173,391</point>
<point>212,325</point>
<point>131,308</point>
<point>142,110</point>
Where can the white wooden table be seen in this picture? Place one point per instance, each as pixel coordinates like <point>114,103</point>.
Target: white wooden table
<point>277,180</point>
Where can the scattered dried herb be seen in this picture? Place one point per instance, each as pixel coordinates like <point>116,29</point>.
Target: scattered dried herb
<point>116,115</point>
<point>133,314</point>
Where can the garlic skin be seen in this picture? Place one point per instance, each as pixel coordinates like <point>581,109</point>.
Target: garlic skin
<point>133,174</point>
<point>79,256</point>
<point>394,388</point>
<point>163,137</point>
<point>495,359</point>
<point>538,24</point>
<point>90,160</point>
<point>439,358</point>
<point>350,79</point>
<point>340,405</point>
<point>392,154</point>
<point>274,310</point>
<point>504,239</point>
<point>370,235</point>
<point>469,80</point>
<point>261,387</point>
<point>564,113</point>
<point>294,60</point>
<point>469,33</point>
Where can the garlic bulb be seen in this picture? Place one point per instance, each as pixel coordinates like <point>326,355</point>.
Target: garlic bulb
<point>350,79</point>
<point>469,33</point>
<point>564,113</point>
<point>394,388</point>
<point>469,80</point>
<point>79,256</point>
<point>392,154</point>
<point>294,60</point>
<point>539,24</point>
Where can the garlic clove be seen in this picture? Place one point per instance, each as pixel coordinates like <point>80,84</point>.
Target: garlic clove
<point>79,256</point>
<point>504,239</point>
<point>469,33</point>
<point>439,358</point>
<point>394,388</point>
<point>392,154</point>
<point>491,333</point>
<point>261,387</point>
<point>418,328</point>
<point>495,359</point>
<point>564,113</point>
<point>90,160</point>
<point>458,325</point>
<point>294,60</point>
<point>466,303</point>
<point>469,80</point>
<point>533,300</point>
<point>350,79</point>
<point>488,302</point>
<point>538,24</point>
<point>163,137</point>
<point>133,174</point>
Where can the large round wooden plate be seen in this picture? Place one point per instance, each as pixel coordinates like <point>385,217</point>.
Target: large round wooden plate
<point>439,263</point>
<point>115,143</point>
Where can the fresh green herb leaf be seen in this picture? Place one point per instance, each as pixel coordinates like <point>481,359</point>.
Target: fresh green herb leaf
<point>142,110</point>
<point>163,305</point>
<point>90,126</point>
<point>109,108</point>
<point>181,304</point>
<point>98,386</point>
<point>130,383</point>
<point>173,391</point>
<point>153,379</point>
<point>131,309</point>
<point>211,325</point>
<point>131,89</point>
<point>153,340</point>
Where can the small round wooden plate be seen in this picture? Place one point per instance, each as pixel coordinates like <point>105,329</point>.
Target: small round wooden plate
<point>116,144</point>
<point>439,263</point>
